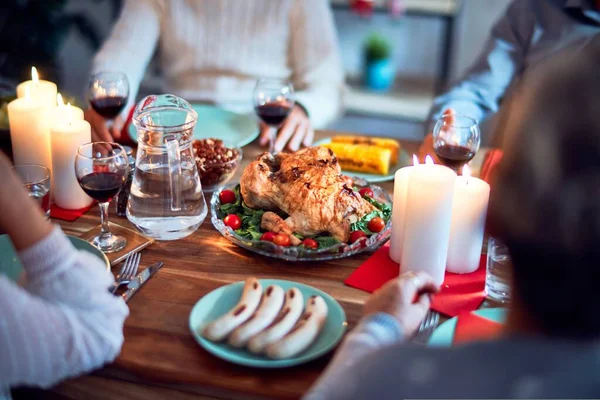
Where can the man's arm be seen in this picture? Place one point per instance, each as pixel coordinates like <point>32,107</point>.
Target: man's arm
<point>315,60</point>
<point>479,93</point>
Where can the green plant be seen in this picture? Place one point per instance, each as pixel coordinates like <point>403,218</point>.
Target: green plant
<point>377,48</point>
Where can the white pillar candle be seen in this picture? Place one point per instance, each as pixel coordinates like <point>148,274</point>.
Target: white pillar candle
<point>39,90</point>
<point>427,220</point>
<point>29,132</point>
<point>469,210</point>
<point>61,113</point>
<point>401,179</point>
<point>66,137</point>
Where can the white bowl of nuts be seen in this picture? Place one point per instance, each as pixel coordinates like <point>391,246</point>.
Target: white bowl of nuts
<point>217,162</point>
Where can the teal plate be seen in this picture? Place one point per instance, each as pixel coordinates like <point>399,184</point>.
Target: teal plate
<point>443,336</point>
<point>10,265</point>
<point>404,159</point>
<point>223,299</point>
<point>215,122</point>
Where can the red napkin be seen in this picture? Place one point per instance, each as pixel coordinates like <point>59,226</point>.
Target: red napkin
<point>490,162</point>
<point>67,215</point>
<point>471,327</point>
<point>459,292</point>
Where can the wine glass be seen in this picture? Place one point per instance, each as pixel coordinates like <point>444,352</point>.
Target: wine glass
<point>101,169</point>
<point>108,92</point>
<point>456,139</point>
<point>273,101</point>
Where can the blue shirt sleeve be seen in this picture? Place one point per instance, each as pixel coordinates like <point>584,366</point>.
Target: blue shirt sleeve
<point>479,93</point>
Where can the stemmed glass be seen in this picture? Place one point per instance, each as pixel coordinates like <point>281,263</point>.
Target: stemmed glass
<point>456,139</point>
<point>101,169</point>
<point>274,99</point>
<point>108,92</point>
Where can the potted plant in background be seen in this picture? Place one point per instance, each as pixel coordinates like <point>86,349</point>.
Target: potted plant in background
<point>380,71</point>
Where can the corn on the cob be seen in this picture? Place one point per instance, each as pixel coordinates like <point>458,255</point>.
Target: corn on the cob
<point>390,144</point>
<point>358,158</point>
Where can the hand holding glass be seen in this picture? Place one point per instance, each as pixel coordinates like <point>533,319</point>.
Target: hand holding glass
<point>274,99</point>
<point>108,93</point>
<point>456,139</point>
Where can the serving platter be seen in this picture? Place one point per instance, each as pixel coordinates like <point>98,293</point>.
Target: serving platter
<point>221,300</point>
<point>299,253</point>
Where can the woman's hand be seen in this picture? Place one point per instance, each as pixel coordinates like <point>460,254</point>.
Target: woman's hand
<point>426,147</point>
<point>296,131</point>
<point>406,298</point>
<point>100,131</point>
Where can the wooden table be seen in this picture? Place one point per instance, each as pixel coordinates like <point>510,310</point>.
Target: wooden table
<point>160,357</point>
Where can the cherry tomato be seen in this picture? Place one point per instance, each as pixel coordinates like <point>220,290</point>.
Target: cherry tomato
<point>357,235</point>
<point>376,224</point>
<point>310,244</point>
<point>233,221</point>
<point>227,196</point>
<point>268,236</point>
<point>364,192</point>
<point>281,239</point>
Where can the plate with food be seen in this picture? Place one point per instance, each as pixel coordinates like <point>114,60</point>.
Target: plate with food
<point>370,158</point>
<point>267,323</point>
<point>213,121</point>
<point>299,207</point>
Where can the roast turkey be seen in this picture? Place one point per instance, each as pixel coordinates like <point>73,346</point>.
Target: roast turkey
<point>309,187</point>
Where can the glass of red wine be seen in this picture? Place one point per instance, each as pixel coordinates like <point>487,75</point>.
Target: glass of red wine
<point>101,169</point>
<point>456,139</point>
<point>108,92</point>
<point>273,101</point>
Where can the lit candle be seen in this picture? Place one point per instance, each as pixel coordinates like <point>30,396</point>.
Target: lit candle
<point>29,131</point>
<point>469,210</point>
<point>66,137</point>
<point>60,113</point>
<point>401,180</point>
<point>427,220</point>
<point>42,91</point>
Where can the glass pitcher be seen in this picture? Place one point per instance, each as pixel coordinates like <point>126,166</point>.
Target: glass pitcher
<point>166,200</point>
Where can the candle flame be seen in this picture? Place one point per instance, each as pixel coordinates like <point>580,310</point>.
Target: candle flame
<point>34,76</point>
<point>415,159</point>
<point>69,113</point>
<point>466,172</point>
<point>59,100</point>
<point>429,160</point>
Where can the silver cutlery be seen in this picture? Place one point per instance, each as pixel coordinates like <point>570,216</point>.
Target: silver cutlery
<point>127,272</point>
<point>140,280</point>
<point>427,327</point>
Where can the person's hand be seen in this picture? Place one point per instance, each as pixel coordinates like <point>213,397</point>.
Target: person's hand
<point>296,131</point>
<point>406,298</point>
<point>100,130</point>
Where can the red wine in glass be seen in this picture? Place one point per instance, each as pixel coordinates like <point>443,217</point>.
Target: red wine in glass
<point>454,156</point>
<point>274,113</point>
<point>110,106</point>
<point>102,186</point>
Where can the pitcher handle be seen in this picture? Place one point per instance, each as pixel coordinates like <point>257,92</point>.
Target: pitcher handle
<point>174,157</point>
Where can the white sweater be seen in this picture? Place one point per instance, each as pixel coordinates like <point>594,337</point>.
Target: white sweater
<point>215,50</point>
<point>64,322</point>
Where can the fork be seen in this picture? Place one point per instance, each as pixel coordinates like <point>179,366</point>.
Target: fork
<point>127,272</point>
<point>427,327</point>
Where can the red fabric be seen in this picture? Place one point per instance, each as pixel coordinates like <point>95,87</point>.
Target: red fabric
<point>459,292</point>
<point>68,215</point>
<point>490,162</point>
<point>471,327</point>
<point>125,138</point>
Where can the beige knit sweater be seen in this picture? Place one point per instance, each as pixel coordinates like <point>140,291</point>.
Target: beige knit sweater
<point>215,50</point>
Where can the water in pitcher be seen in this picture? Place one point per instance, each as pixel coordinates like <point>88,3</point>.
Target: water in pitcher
<point>166,200</point>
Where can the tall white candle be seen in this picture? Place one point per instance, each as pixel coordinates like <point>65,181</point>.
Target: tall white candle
<point>39,90</point>
<point>469,210</point>
<point>29,132</point>
<point>427,220</point>
<point>401,180</point>
<point>66,138</point>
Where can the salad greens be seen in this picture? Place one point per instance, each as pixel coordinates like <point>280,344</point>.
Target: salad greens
<point>251,220</point>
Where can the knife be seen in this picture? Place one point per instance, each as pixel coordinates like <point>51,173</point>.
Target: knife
<point>140,279</point>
